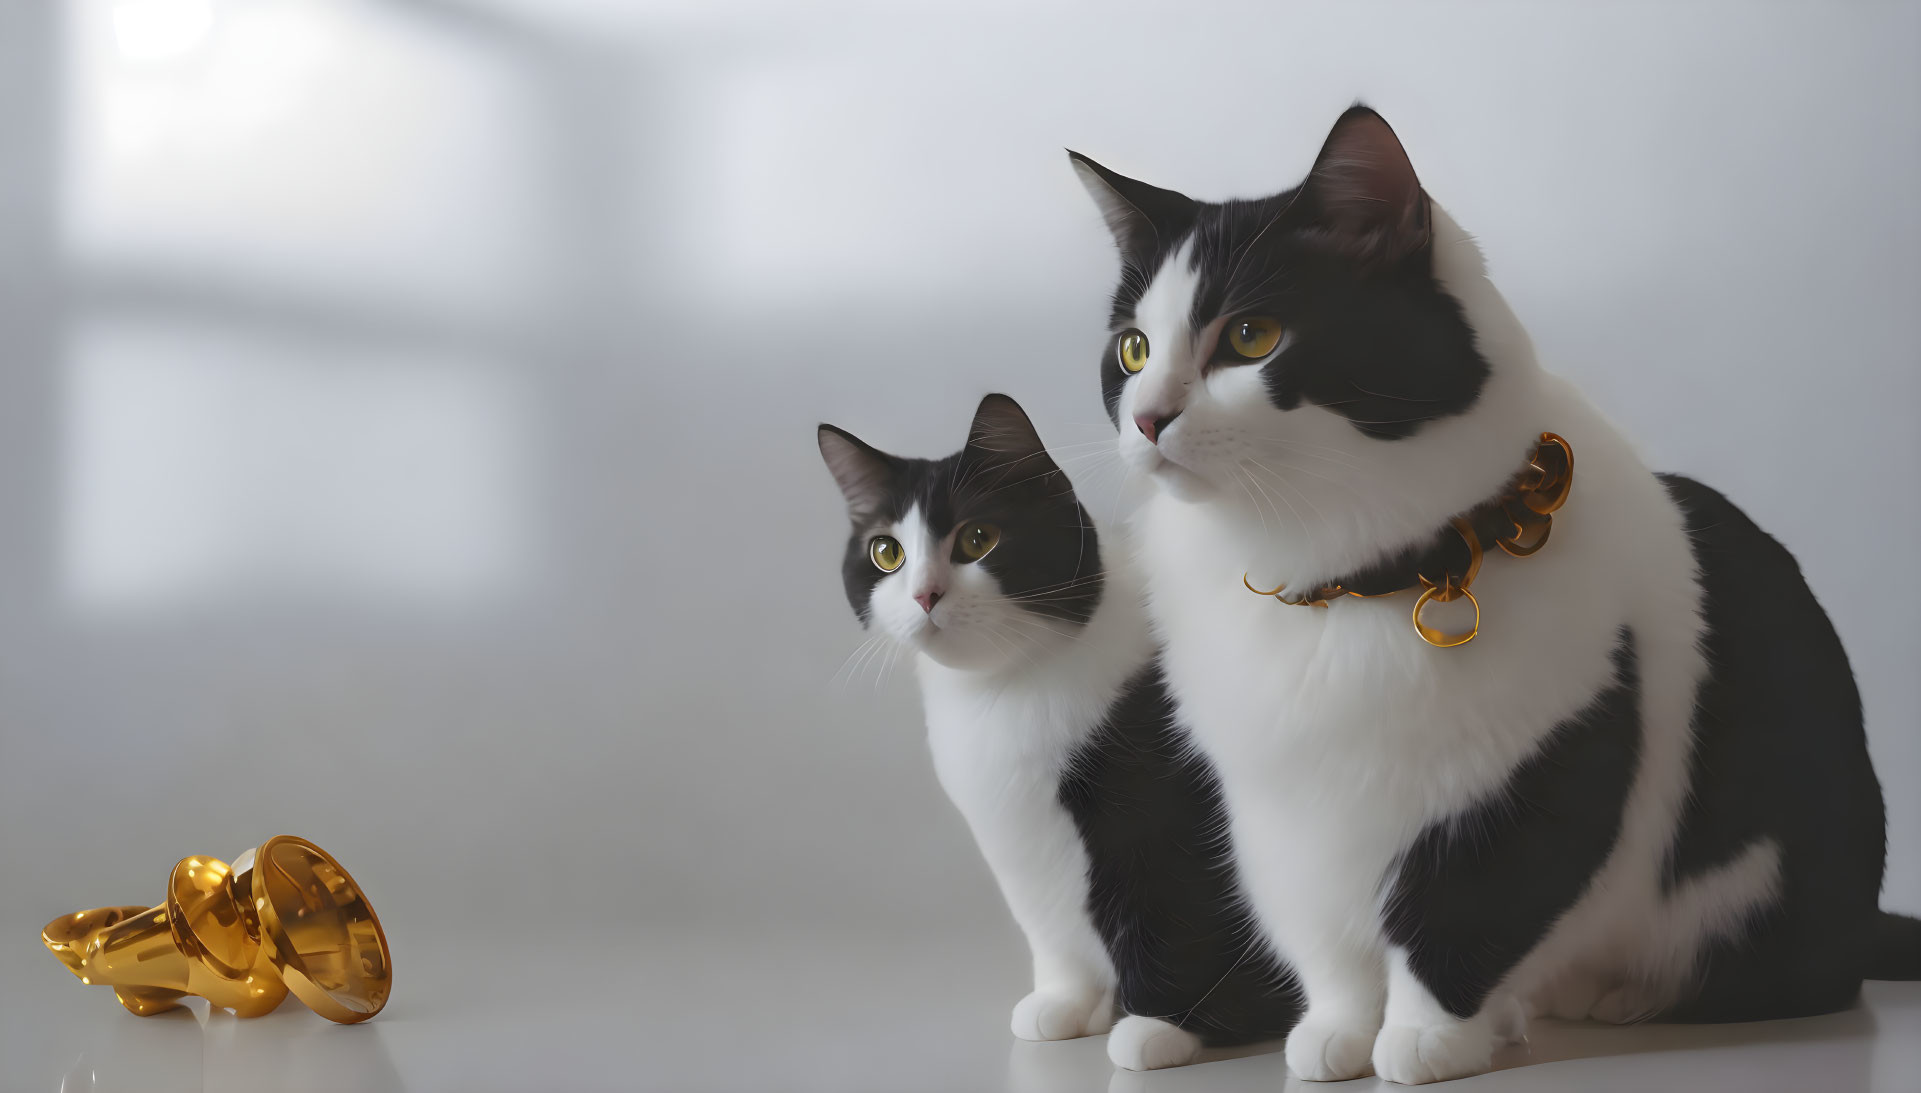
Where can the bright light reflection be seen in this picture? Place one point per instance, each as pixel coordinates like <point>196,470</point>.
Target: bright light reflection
<point>149,30</point>
<point>319,142</point>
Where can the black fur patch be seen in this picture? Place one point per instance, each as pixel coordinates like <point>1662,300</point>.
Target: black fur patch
<point>1375,337</point>
<point>1477,891</point>
<point>1161,884</point>
<point>1779,754</point>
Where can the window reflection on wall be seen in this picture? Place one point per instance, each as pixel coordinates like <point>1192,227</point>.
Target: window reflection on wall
<point>305,251</point>
<point>202,457</point>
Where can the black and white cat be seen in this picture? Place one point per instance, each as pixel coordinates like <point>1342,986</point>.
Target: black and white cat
<point>1052,732</point>
<point>1642,790</point>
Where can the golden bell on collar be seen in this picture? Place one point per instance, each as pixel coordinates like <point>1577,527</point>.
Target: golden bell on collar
<point>282,917</point>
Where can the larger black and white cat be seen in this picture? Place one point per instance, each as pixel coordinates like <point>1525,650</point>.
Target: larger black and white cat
<point>1053,734</point>
<point>1642,790</point>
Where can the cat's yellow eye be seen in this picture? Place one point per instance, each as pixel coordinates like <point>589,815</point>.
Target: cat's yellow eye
<point>1132,351</point>
<point>975,540</point>
<point>886,552</point>
<point>1253,336</point>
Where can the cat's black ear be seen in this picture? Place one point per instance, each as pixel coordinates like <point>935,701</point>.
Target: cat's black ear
<point>863,472</point>
<point>1135,212</point>
<point>1364,191</point>
<point>1002,433</point>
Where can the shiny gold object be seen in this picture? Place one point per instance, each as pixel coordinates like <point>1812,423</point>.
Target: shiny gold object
<point>1317,598</point>
<point>1445,592</point>
<point>283,917</point>
<point>1527,505</point>
<point>1549,479</point>
<point>1530,530</point>
<point>1275,591</point>
<point>1474,555</point>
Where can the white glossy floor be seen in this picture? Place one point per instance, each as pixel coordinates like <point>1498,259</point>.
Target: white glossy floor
<point>575,1011</point>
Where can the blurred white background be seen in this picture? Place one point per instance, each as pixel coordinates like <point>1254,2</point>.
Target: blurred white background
<point>406,406</point>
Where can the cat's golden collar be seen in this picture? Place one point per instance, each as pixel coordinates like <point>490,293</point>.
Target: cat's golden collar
<point>1517,520</point>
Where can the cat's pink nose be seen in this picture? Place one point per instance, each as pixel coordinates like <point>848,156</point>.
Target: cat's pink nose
<point>1153,425</point>
<point>927,600</point>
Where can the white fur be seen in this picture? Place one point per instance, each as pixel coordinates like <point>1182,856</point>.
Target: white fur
<point>1149,1043</point>
<point>1339,735</point>
<point>972,626</point>
<point>1008,698</point>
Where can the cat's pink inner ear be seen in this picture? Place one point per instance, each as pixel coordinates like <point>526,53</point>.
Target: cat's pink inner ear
<point>1365,186</point>
<point>1135,212</point>
<point>860,471</point>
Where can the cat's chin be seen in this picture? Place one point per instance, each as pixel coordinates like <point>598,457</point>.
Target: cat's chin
<point>1181,483</point>
<point>953,650</point>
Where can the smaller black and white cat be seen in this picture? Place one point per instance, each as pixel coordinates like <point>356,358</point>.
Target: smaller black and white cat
<point>1053,733</point>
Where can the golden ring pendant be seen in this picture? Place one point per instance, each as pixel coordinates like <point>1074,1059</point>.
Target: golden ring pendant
<point>1445,593</point>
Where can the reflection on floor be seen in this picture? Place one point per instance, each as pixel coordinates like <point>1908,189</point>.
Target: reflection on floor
<point>695,1011</point>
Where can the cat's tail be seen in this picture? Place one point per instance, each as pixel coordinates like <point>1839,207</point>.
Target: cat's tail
<point>1895,952</point>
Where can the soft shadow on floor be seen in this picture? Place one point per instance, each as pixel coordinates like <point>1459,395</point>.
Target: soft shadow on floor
<point>1848,1052</point>
<point>1552,1040</point>
<point>1846,1043</point>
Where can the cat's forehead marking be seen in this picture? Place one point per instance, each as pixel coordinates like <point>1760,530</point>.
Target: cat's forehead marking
<point>1163,311</point>
<point>915,536</point>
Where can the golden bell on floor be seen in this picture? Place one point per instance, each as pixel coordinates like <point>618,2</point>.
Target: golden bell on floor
<point>282,917</point>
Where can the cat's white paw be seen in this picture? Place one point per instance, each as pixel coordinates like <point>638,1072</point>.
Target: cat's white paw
<point>1328,1051</point>
<point>1148,1043</point>
<point>1509,1017</point>
<point>1062,1015</point>
<point>1418,1054</point>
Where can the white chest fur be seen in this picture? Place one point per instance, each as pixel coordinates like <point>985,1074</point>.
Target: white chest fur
<point>1339,735</point>
<point>1000,742</point>
<point>1000,758</point>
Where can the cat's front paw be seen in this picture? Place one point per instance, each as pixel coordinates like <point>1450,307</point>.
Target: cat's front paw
<point>1329,1051</point>
<point>1149,1043</point>
<point>1418,1054</point>
<point>1062,1014</point>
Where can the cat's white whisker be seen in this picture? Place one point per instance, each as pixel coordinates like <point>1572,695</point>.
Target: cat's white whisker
<point>1243,481</point>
